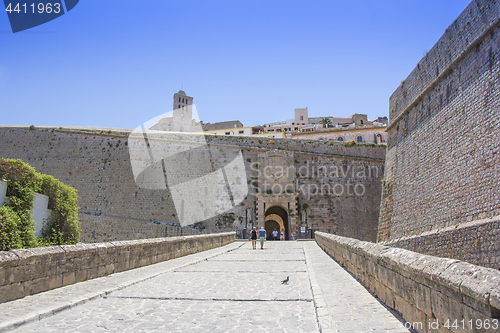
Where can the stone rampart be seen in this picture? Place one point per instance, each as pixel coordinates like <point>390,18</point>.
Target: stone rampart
<point>443,156</point>
<point>31,271</point>
<point>114,207</point>
<point>423,289</point>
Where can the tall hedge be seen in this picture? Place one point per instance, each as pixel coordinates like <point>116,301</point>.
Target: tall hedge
<point>23,182</point>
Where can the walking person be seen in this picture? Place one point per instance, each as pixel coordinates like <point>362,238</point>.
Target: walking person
<point>262,236</point>
<point>275,234</point>
<point>253,237</point>
<point>282,235</point>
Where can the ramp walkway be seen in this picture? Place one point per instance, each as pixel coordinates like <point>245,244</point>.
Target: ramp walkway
<point>229,289</point>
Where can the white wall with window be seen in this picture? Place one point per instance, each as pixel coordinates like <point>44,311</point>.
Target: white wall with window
<point>238,131</point>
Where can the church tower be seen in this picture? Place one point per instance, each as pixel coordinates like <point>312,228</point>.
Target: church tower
<point>182,119</point>
<point>181,100</point>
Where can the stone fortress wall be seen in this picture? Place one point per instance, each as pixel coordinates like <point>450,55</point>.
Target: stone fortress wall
<point>441,191</point>
<point>113,207</point>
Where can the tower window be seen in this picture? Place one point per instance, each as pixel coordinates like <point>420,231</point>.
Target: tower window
<point>359,139</point>
<point>179,99</point>
<point>361,121</point>
<point>301,117</point>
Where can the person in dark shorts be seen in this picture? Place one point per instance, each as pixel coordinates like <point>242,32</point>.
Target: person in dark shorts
<point>253,237</point>
<point>262,236</point>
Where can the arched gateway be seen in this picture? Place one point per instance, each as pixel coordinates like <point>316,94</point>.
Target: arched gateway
<point>276,218</point>
<point>277,211</point>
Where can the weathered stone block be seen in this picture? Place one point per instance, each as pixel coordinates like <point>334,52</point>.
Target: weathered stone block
<point>68,278</point>
<point>477,289</point>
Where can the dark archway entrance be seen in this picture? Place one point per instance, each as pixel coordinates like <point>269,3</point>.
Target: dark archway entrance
<point>277,217</point>
<point>270,226</point>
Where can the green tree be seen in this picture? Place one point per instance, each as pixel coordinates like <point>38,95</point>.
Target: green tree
<point>326,122</point>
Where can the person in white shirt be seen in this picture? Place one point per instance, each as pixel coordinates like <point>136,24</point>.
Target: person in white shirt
<point>275,234</point>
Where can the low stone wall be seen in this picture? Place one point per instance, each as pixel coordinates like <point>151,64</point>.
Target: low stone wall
<point>29,271</point>
<point>428,291</point>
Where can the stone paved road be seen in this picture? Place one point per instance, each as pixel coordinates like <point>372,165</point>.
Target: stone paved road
<point>230,289</point>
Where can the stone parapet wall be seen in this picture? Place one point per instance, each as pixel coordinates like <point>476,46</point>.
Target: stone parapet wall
<point>30,271</point>
<point>422,288</point>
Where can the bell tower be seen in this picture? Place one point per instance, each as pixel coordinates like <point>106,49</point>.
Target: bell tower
<point>181,100</point>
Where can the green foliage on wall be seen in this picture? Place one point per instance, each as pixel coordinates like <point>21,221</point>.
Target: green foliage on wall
<point>10,237</point>
<point>15,217</point>
<point>349,143</point>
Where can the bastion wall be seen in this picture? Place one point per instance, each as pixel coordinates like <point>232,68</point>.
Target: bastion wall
<point>442,169</point>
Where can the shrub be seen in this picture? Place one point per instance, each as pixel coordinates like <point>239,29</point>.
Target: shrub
<point>32,128</point>
<point>10,237</point>
<point>23,182</point>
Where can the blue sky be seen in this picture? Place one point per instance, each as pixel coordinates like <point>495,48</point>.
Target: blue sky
<point>117,63</point>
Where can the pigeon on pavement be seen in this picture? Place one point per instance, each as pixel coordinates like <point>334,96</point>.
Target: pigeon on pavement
<point>285,281</point>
